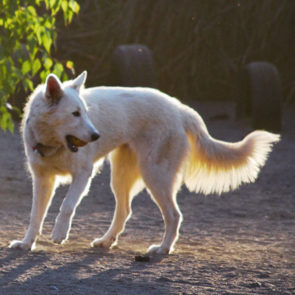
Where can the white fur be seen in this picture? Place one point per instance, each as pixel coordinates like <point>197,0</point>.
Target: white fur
<point>154,141</point>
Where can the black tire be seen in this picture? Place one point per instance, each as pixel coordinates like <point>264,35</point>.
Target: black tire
<point>243,105</point>
<point>133,65</point>
<point>260,95</point>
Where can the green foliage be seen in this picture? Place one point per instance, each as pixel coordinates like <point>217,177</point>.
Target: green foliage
<point>27,35</point>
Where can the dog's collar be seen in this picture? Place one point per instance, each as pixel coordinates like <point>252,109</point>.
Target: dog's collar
<point>39,149</point>
<point>45,150</point>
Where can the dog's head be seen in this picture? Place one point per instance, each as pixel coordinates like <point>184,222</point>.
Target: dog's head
<point>67,114</point>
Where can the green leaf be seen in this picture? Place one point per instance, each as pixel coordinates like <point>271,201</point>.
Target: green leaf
<point>38,32</point>
<point>64,5</point>
<point>54,5</point>
<point>58,69</point>
<point>3,122</point>
<point>47,62</point>
<point>10,125</point>
<point>28,85</point>
<point>69,65</point>
<point>32,10</point>
<point>6,120</point>
<point>47,3</point>
<point>65,76</point>
<point>74,6</point>
<point>70,15</point>
<point>46,40</point>
<point>36,66</point>
<point>26,67</point>
<point>43,75</point>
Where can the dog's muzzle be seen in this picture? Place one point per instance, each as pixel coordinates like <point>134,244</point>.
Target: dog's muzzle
<point>74,142</point>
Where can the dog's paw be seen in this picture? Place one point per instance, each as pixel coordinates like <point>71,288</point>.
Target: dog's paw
<point>59,239</point>
<point>58,236</point>
<point>103,242</point>
<point>61,229</point>
<point>21,245</point>
<point>157,249</point>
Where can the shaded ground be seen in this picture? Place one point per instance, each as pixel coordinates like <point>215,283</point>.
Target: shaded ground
<point>239,243</point>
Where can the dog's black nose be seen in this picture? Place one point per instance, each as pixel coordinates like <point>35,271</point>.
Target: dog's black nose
<point>94,136</point>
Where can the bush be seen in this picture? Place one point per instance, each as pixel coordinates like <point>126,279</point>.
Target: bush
<point>27,34</point>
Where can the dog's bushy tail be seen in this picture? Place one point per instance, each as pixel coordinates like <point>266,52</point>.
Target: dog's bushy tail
<point>215,166</point>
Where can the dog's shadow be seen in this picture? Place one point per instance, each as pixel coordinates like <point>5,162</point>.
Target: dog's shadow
<point>17,263</point>
<point>113,270</point>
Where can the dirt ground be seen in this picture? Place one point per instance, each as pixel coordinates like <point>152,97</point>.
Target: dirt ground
<point>242,242</point>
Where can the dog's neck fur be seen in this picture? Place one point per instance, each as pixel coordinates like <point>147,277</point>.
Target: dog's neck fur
<point>42,149</point>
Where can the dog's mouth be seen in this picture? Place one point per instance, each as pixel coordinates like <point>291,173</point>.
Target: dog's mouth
<point>73,143</point>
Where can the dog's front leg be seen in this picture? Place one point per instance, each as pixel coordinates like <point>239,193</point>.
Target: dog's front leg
<point>76,192</point>
<point>43,189</point>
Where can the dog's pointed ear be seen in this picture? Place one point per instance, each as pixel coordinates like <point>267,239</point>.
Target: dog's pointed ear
<point>53,92</point>
<point>79,81</point>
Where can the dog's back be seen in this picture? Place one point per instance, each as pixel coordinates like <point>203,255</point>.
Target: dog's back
<point>149,118</point>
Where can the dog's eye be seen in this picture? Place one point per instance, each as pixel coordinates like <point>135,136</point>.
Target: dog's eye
<point>76,114</point>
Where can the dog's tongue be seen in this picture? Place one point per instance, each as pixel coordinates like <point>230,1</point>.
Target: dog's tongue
<point>74,142</point>
<point>77,142</point>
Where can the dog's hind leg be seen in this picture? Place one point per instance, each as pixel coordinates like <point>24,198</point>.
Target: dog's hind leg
<point>125,183</point>
<point>164,195</point>
<point>43,190</point>
<point>161,172</point>
<point>78,189</point>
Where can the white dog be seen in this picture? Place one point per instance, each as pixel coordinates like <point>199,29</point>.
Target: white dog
<point>154,142</point>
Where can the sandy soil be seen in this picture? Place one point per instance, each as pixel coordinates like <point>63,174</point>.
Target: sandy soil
<point>239,243</point>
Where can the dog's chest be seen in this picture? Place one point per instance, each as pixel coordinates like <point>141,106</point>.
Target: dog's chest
<point>60,165</point>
